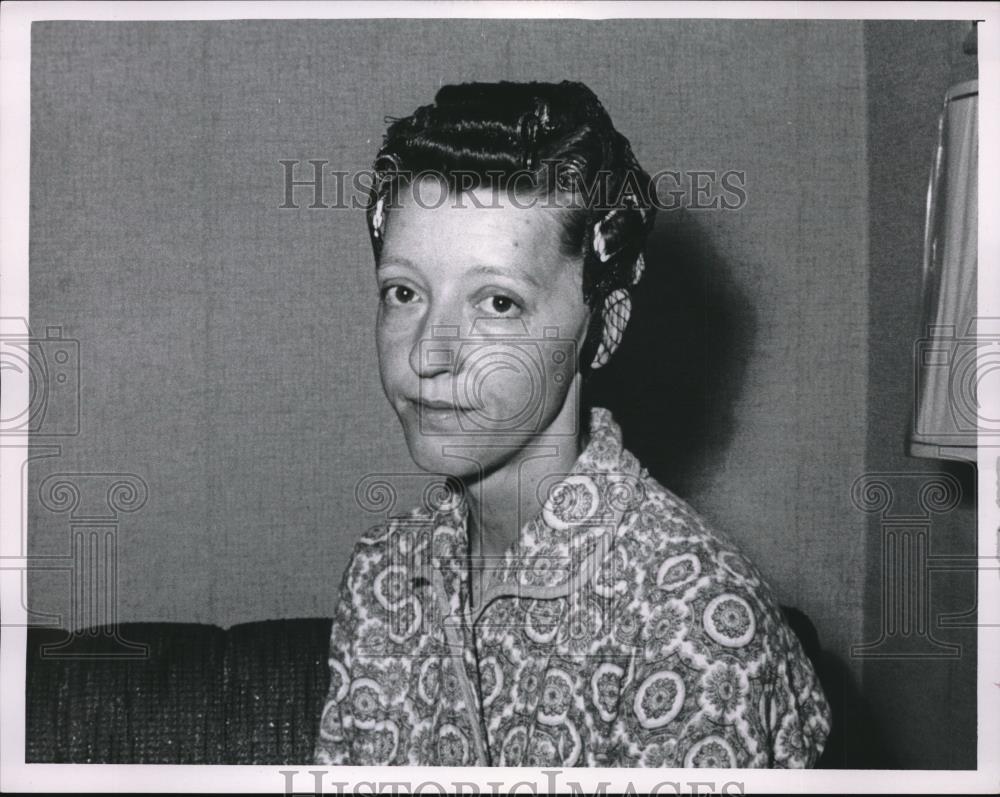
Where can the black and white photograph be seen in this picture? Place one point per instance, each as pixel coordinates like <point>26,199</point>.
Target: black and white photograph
<point>500,397</point>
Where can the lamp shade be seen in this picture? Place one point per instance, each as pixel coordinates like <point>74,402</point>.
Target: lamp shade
<point>953,341</point>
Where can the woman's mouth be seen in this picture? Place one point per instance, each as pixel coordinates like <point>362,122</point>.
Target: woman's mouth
<point>437,412</point>
<point>437,405</point>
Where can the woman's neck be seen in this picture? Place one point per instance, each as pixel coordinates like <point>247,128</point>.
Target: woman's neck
<point>502,501</point>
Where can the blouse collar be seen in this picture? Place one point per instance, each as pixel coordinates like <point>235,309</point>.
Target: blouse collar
<point>558,547</point>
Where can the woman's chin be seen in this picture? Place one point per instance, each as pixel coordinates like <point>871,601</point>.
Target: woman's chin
<point>462,456</point>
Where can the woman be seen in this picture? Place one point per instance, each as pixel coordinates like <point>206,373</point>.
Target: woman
<point>552,605</point>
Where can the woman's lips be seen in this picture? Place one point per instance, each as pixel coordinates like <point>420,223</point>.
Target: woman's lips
<point>437,413</point>
<point>438,405</point>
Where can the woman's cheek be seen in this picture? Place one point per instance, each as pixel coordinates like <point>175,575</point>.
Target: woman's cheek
<point>393,357</point>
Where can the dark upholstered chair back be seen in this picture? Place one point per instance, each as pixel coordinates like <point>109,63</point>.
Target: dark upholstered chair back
<point>251,694</point>
<point>247,695</point>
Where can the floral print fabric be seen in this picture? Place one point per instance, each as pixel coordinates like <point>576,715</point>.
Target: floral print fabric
<point>620,630</point>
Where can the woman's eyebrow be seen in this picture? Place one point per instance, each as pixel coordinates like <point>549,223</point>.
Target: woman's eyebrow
<point>479,270</point>
<point>510,271</point>
<point>395,261</point>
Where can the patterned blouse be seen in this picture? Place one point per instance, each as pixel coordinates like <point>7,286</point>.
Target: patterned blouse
<point>619,631</point>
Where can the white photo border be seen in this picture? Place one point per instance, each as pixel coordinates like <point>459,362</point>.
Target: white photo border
<point>15,775</point>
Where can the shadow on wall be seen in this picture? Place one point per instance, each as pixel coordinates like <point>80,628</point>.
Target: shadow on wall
<point>675,380</point>
<point>673,387</point>
<point>857,739</point>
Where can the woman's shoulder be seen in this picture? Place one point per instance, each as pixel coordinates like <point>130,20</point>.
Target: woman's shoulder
<point>695,595</point>
<point>418,520</point>
<point>662,523</point>
<point>393,542</point>
<point>676,554</point>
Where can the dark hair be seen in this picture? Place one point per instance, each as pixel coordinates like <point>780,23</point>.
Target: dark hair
<point>558,138</point>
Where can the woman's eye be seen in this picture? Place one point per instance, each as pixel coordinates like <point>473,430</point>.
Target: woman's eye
<point>398,294</point>
<point>500,305</point>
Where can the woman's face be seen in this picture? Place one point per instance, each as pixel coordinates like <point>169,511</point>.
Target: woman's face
<point>481,317</point>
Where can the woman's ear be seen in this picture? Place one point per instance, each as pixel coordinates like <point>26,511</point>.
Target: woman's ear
<point>615,314</point>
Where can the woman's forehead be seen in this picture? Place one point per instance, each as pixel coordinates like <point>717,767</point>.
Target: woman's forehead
<point>477,227</point>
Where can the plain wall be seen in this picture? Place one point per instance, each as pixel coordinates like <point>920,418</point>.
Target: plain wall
<point>226,344</point>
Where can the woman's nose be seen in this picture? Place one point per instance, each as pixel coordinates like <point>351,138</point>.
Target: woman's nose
<point>436,350</point>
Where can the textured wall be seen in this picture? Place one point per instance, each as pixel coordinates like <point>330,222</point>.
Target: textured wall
<point>226,349</point>
<point>924,709</point>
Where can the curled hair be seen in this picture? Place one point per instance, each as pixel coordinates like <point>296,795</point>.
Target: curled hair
<point>556,140</point>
